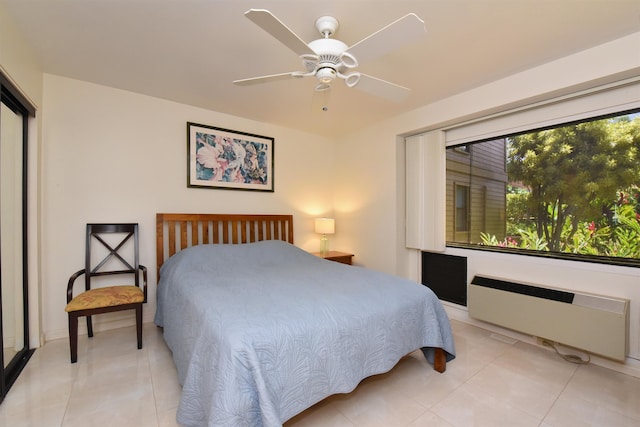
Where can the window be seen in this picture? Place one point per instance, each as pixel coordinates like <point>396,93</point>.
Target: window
<point>567,191</point>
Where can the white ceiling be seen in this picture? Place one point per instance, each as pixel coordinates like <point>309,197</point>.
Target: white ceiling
<point>190,51</point>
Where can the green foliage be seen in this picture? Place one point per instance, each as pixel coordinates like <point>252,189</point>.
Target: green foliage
<point>518,216</point>
<point>625,241</point>
<point>526,239</point>
<point>531,240</point>
<point>621,239</point>
<point>578,189</point>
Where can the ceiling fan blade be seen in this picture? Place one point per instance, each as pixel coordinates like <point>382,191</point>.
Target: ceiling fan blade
<point>382,88</point>
<point>272,25</point>
<point>263,79</point>
<point>399,33</point>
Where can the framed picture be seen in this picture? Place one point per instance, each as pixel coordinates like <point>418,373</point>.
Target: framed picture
<point>227,159</point>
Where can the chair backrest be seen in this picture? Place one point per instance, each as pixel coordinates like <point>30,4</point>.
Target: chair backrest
<point>108,251</point>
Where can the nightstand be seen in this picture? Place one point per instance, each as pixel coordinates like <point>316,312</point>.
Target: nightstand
<point>336,256</point>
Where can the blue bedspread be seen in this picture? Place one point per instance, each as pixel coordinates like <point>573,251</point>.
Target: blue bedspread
<point>262,331</point>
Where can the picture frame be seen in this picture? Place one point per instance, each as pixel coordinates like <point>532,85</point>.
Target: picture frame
<point>219,158</point>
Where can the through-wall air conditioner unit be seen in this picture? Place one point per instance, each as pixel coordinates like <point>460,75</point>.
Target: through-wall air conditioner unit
<point>595,323</point>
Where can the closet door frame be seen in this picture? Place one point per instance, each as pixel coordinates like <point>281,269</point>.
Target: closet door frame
<point>10,370</point>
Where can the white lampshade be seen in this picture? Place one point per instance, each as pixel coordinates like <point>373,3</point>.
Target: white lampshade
<point>325,225</point>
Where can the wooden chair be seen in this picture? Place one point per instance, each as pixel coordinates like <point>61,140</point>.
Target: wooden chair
<point>120,260</point>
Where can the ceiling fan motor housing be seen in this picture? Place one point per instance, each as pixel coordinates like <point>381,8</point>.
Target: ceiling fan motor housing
<point>328,50</point>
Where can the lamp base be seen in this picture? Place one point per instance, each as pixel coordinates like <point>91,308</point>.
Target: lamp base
<point>324,244</point>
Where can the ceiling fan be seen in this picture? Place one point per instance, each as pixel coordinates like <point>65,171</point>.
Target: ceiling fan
<point>327,59</point>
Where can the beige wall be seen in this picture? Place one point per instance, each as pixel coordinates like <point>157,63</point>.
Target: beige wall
<point>18,61</point>
<point>112,155</point>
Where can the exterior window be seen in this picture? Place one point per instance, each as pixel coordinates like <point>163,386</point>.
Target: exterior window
<point>571,191</point>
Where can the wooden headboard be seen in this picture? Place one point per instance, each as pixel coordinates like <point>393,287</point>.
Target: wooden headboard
<point>175,232</point>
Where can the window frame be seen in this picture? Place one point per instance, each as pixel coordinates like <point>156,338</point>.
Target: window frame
<point>596,259</point>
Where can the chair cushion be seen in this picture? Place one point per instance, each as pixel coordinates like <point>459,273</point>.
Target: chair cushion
<point>105,297</point>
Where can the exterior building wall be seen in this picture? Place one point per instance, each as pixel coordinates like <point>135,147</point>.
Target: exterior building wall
<point>482,168</point>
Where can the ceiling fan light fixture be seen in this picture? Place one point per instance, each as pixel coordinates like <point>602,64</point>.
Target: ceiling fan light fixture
<point>326,75</point>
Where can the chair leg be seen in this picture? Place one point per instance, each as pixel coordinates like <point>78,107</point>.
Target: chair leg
<point>73,337</point>
<point>89,327</point>
<point>139,324</point>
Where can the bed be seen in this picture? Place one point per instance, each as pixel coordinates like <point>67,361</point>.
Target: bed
<point>261,330</point>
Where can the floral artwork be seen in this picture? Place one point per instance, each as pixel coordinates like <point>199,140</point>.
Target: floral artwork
<point>221,158</point>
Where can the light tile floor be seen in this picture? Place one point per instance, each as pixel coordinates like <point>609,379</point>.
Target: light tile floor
<point>493,382</point>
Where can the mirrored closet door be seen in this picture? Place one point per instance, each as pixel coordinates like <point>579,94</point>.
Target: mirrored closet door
<point>14,331</point>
